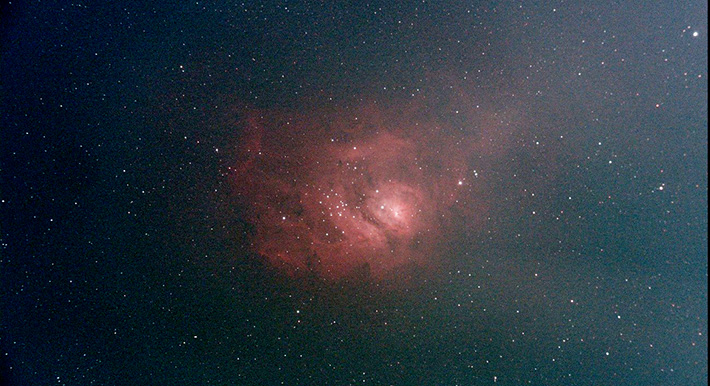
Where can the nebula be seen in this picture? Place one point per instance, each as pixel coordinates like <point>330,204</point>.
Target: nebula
<point>365,190</point>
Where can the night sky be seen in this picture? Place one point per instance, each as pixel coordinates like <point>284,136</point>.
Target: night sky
<point>338,193</point>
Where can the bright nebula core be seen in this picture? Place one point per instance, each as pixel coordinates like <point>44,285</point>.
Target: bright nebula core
<point>369,191</point>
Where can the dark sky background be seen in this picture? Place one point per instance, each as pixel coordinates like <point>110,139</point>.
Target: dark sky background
<point>341,193</point>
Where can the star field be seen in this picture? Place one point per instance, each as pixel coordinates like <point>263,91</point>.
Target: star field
<point>325,193</point>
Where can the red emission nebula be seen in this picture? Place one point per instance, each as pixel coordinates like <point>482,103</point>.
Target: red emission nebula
<point>370,190</point>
